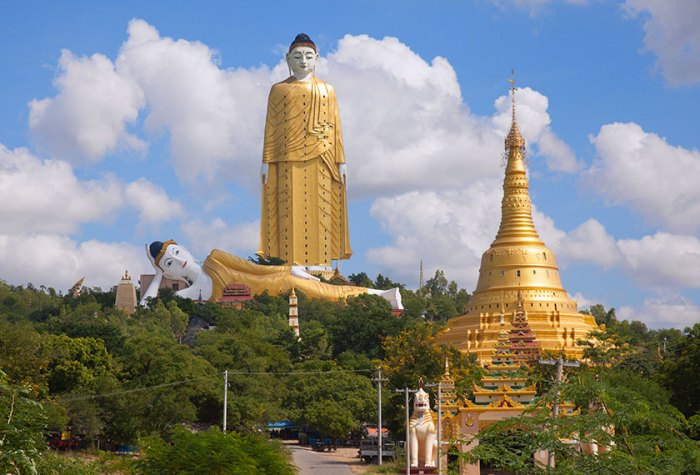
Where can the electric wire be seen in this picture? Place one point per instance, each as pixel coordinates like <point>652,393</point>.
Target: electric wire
<point>230,373</point>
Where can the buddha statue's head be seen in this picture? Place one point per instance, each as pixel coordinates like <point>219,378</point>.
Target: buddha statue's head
<point>302,56</point>
<point>174,260</point>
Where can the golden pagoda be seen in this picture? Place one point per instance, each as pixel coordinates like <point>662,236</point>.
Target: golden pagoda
<point>518,270</point>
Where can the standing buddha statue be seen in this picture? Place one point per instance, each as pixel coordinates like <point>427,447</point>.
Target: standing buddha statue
<point>304,201</point>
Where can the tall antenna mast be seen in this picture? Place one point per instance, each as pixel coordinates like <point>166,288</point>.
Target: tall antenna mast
<point>420,278</point>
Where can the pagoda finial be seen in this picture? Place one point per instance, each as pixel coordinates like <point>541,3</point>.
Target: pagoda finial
<point>447,366</point>
<point>514,138</point>
<point>519,302</point>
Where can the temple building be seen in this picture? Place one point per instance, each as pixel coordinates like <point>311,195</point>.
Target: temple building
<point>519,278</point>
<point>126,295</point>
<point>503,392</point>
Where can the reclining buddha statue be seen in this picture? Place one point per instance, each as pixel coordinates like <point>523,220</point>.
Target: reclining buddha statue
<point>207,281</point>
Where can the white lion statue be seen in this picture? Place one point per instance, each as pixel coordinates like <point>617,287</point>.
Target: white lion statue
<point>422,428</point>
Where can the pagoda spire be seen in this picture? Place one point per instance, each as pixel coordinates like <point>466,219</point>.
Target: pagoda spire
<point>516,209</point>
<point>518,277</point>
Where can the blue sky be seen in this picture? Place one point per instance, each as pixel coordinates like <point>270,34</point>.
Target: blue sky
<point>127,122</point>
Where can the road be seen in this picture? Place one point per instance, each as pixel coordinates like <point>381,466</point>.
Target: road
<point>313,463</point>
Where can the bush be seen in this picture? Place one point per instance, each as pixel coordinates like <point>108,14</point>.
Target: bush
<point>212,452</point>
<point>52,463</point>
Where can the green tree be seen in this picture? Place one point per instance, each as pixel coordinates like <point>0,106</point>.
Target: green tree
<point>385,283</point>
<point>21,429</point>
<point>361,279</point>
<point>329,398</point>
<point>437,285</point>
<point>681,369</point>
<point>23,356</point>
<point>362,324</point>
<point>414,354</point>
<point>245,346</point>
<point>649,434</point>
<point>76,363</point>
<point>164,382</point>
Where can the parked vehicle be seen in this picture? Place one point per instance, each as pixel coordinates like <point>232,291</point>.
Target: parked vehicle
<point>369,451</point>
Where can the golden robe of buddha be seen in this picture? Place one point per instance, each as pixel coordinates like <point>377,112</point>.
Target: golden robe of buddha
<point>304,205</point>
<point>224,268</point>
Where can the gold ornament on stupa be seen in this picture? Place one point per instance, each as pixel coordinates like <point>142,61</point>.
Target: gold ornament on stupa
<point>518,270</point>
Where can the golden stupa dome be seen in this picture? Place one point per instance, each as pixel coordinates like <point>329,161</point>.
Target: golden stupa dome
<point>518,262</point>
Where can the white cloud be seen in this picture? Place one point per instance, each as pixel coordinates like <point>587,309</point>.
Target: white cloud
<point>152,202</point>
<point>88,117</point>
<point>534,122</point>
<point>241,239</point>
<point>676,312</point>
<point>448,231</point>
<point>45,196</point>
<point>646,173</point>
<point>590,242</point>
<point>58,261</point>
<point>663,260</point>
<point>451,231</point>
<point>214,117</point>
<point>410,129</point>
<point>671,32</point>
<point>560,157</point>
<point>583,302</point>
<point>404,121</point>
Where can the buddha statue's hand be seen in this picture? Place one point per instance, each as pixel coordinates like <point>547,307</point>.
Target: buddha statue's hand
<point>343,171</point>
<point>264,170</point>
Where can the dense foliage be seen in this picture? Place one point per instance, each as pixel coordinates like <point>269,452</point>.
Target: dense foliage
<point>632,417</point>
<point>212,452</point>
<point>78,364</point>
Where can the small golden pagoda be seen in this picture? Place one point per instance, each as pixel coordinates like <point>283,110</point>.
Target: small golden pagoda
<point>518,263</point>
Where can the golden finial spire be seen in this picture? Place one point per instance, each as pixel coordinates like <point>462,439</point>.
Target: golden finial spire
<point>514,138</point>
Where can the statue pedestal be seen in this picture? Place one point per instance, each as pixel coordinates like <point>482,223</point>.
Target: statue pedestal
<point>423,470</point>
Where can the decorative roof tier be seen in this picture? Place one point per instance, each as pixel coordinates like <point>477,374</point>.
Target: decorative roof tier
<point>518,263</point>
<point>523,341</point>
<point>504,383</point>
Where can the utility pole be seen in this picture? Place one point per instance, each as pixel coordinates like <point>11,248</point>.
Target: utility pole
<point>225,397</point>
<point>407,445</point>
<point>560,363</point>
<point>664,355</point>
<point>379,381</point>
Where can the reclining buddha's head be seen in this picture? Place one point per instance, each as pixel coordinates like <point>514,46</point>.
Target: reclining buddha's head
<point>174,260</point>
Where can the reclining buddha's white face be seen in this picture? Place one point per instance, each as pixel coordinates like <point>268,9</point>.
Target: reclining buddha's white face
<point>178,263</point>
<point>421,402</point>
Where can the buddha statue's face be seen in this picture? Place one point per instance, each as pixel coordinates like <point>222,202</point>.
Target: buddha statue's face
<point>302,61</point>
<point>178,263</point>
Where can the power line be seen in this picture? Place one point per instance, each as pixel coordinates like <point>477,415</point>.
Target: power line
<point>183,381</point>
<point>127,391</point>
